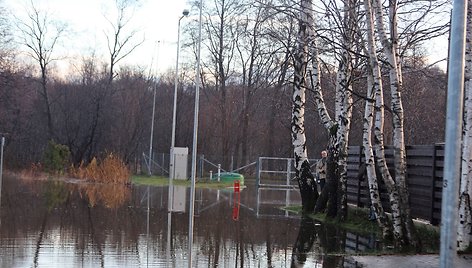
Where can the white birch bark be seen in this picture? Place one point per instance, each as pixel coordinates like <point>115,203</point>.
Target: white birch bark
<point>396,84</point>
<point>343,101</point>
<point>394,196</point>
<point>382,163</point>
<point>326,120</point>
<point>302,166</point>
<point>299,91</point>
<point>465,217</point>
<point>344,87</point>
<point>376,84</point>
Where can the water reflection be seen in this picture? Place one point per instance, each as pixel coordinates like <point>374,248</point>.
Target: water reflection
<point>59,224</point>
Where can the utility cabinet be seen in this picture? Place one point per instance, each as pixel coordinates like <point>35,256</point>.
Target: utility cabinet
<point>180,163</point>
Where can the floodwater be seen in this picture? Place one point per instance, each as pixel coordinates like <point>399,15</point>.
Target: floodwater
<point>70,224</point>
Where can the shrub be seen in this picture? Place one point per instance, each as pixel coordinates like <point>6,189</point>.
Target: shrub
<point>56,158</point>
<point>110,170</point>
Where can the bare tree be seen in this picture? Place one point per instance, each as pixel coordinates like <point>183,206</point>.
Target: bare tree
<point>40,34</point>
<point>120,42</point>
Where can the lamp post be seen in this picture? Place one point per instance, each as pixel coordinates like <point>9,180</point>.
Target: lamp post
<point>152,132</point>
<point>194,146</point>
<point>185,13</point>
<point>152,119</point>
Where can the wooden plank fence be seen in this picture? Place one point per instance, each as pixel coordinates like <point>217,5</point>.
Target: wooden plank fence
<point>424,180</point>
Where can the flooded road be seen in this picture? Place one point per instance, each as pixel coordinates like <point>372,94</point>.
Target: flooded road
<point>59,224</point>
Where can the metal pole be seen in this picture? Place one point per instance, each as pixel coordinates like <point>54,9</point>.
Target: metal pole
<point>174,111</point>
<point>194,147</point>
<point>152,133</point>
<point>452,154</point>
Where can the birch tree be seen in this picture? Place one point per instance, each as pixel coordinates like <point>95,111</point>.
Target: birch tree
<point>465,213</point>
<point>303,174</point>
<point>374,95</point>
<point>339,128</point>
<point>391,51</point>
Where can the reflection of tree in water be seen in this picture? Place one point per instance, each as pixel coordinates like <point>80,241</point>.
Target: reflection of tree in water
<point>55,194</point>
<point>305,239</point>
<point>111,195</point>
<point>324,240</point>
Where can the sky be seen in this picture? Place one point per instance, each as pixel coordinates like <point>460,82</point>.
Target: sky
<point>155,20</point>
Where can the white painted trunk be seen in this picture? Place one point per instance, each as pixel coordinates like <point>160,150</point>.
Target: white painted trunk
<point>465,217</point>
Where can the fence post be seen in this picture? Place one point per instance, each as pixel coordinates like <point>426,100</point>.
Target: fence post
<point>289,170</point>
<point>258,172</point>
<point>202,157</point>
<point>433,181</point>
<point>361,151</point>
<point>232,163</point>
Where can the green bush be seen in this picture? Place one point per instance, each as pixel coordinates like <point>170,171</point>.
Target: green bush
<point>56,158</point>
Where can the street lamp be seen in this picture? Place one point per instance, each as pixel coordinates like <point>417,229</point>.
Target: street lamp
<point>194,145</point>
<point>185,13</point>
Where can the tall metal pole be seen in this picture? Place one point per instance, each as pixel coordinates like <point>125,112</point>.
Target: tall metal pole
<point>452,152</point>
<point>194,147</point>
<point>174,112</point>
<point>152,118</point>
<point>152,132</point>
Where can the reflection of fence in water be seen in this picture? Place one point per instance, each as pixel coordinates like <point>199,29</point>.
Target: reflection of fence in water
<point>360,243</point>
<point>270,202</point>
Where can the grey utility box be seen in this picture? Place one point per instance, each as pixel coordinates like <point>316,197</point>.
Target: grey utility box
<point>180,163</point>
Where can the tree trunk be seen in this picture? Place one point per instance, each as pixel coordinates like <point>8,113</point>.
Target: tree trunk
<point>374,86</point>
<point>305,178</point>
<point>344,87</point>
<point>391,52</point>
<point>465,214</point>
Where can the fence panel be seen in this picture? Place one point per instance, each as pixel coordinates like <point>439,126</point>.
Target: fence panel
<point>424,180</point>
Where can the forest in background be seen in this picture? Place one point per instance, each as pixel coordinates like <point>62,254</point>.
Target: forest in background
<point>245,103</point>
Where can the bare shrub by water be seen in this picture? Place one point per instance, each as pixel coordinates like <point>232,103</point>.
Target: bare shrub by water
<point>111,170</point>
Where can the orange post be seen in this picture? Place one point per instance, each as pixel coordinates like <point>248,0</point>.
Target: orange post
<point>236,186</point>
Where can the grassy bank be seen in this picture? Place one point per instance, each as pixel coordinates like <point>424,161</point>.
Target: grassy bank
<point>358,222</point>
<point>163,181</point>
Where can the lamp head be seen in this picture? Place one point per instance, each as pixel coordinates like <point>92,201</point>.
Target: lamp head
<point>185,12</point>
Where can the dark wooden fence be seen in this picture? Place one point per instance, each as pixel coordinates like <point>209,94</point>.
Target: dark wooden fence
<point>424,179</point>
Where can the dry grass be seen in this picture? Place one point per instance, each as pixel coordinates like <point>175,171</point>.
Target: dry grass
<point>110,170</point>
<point>35,171</point>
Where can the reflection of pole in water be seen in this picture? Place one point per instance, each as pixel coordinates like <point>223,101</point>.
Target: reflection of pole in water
<point>1,174</point>
<point>169,222</point>
<point>147,229</point>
